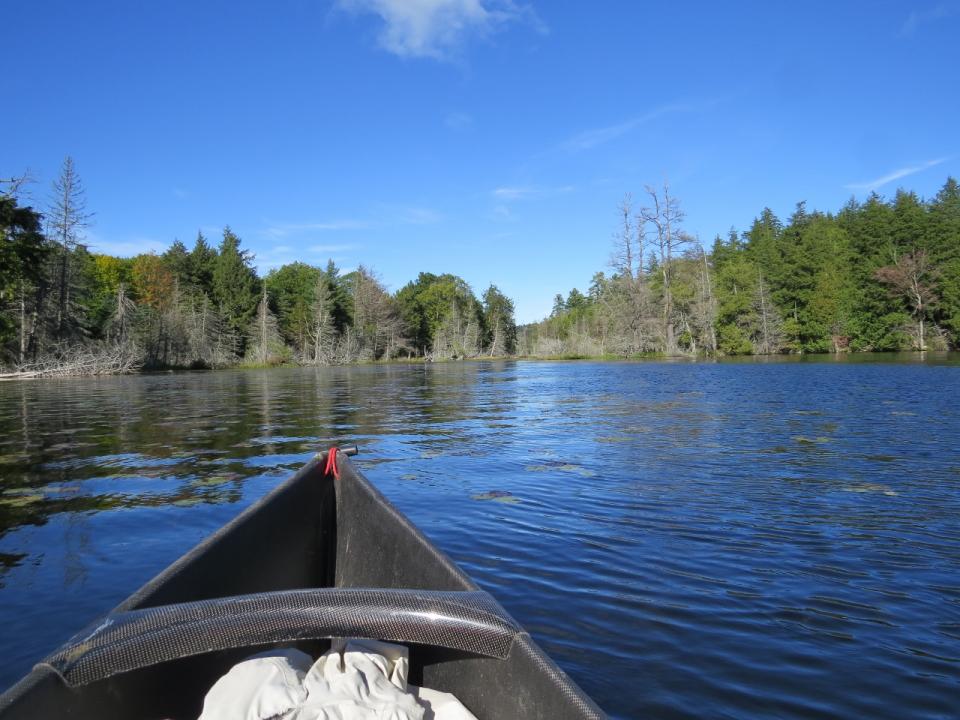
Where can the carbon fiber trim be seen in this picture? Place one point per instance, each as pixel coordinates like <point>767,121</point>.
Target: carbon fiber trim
<point>471,621</point>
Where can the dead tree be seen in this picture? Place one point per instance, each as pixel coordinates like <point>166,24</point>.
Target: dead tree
<point>911,278</point>
<point>664,217</point>
<point>67,217</point>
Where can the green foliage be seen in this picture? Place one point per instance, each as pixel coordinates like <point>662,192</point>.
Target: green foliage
<point>879,275</point>
<point>498,321</point>
<point>430,301</point>
<point>23,253</point>
<point>201,265</point>
<point>109,273</point>
<point>236,287</point>
<point>291,290</point>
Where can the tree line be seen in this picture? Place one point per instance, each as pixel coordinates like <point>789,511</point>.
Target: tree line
<point>65,310</point>
<point>878,275</point>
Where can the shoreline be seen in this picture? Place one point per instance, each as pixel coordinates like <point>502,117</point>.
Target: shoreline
<point>903,356</point>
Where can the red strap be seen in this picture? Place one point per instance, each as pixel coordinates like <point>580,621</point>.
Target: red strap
<point>332,463</point>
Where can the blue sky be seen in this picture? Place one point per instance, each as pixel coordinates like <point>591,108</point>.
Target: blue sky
<point>486,138</point>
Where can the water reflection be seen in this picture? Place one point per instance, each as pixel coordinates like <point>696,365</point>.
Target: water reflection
<point>687,540</point>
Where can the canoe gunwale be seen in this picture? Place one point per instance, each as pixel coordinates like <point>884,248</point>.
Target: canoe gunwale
<point>469,621</point>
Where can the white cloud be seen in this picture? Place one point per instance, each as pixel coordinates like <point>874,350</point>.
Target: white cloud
<point>895,175</point>
<point>922,17</point>
<point>437,28</point>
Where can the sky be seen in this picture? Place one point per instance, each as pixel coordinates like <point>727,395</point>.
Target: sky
<point>492,139</point>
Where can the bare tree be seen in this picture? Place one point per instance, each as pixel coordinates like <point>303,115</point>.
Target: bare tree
<point>13,187</point>
<point>67,216</point>
<point>627,257</point>
<point>664,217</point>
<point>911,277</point>
<point>376,318</point>
<point>264,336</point>
<point>769,331</point>
<point>708,304</point>
<point>321,332</point>
<point>118,326</point>
<point>629,301</point>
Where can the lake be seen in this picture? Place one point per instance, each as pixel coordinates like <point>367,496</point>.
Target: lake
<point>731,539</point>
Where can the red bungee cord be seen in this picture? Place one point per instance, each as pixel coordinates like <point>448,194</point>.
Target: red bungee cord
<point>332,463</point>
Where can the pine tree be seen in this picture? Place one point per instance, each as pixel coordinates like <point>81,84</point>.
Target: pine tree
<point>236,288</point>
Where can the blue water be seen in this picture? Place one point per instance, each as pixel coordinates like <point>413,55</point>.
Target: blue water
<point>754,539</point>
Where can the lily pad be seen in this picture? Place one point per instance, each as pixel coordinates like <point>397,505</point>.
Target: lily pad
<point>870,488</point>
<point>500,496</point>
<point>214,480</point>
<point>577,470</point>
<point>187,502</point>
<point>804,440</point>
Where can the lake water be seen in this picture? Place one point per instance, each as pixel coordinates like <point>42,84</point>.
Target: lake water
<point>752,539</point>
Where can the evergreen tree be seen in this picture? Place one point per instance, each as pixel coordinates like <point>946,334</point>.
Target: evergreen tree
<point>236,288</point>
<point>23,253</point>
<point>177,261</point>
<point>202,262</point>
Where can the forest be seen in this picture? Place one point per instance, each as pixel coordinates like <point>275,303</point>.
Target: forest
<point>65,310</point>
<point>878,275</point>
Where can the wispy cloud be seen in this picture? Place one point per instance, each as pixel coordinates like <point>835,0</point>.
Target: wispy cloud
<point>411,215</point>
<point>284,229</point>
<point>128,247</point>
<point>895,175</point>
<point>438,28</point>
<point>522,192</point>
<point>327,249</point>
<point>179,193</point>
<point>384,216</point>
<point>280,255</point>
<point>598,136</point>
<point>458,121</point>
<point>923,17</point>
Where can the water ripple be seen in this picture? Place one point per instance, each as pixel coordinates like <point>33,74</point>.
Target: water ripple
<point>687,540</point>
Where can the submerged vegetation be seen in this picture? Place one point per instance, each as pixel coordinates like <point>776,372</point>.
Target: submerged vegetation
<point>878,275</point>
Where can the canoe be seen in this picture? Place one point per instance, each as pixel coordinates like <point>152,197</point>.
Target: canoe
<point>323,555</point>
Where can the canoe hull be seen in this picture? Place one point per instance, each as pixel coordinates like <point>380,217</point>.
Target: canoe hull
<point>309,532</point>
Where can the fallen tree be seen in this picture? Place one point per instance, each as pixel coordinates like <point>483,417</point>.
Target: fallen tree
<point>90,360</point>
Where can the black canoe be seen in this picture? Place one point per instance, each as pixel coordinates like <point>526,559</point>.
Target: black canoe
<point>316,558</point>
